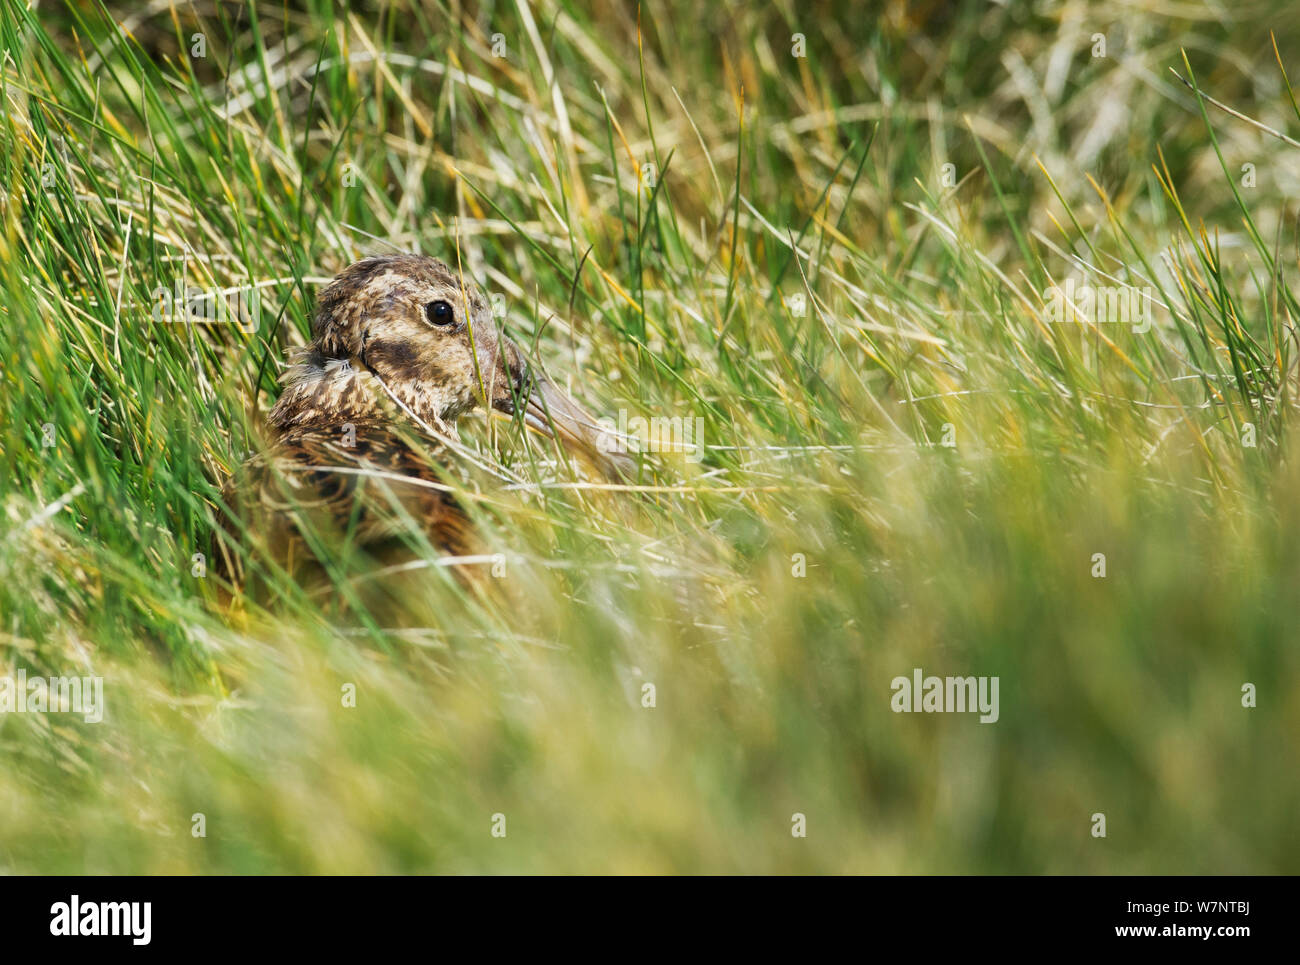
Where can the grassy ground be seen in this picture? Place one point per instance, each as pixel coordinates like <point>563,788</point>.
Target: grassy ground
<point>842,263</point>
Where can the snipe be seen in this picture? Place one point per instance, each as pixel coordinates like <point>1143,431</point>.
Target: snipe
<point>360,441</point>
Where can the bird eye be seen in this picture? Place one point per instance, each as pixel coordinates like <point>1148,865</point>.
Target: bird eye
<point>440,313</point>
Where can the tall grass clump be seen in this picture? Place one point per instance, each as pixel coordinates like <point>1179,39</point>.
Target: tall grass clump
<point>852,247</point>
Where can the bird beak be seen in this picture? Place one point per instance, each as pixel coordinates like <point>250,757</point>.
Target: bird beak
<point>548,410</point>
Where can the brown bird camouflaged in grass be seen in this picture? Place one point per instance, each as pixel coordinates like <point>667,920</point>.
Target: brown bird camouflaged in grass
<point>360,439</point>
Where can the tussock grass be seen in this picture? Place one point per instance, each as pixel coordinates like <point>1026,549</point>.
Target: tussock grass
<point>682,220</point>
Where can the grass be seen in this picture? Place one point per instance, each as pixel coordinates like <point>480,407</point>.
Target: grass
<point>907,464</point>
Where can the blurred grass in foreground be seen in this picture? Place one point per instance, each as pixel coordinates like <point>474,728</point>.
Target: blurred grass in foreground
<point>637,199</point>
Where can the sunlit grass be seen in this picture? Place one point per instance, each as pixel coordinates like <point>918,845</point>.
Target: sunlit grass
<point>684,220</point>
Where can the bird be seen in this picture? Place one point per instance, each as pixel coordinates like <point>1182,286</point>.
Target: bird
<point>360,455</point>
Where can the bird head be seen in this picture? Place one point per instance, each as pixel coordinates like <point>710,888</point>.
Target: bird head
<point>430,338</point>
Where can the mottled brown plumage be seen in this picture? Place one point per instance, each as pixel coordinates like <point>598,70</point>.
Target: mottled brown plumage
<point>359,461</point>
